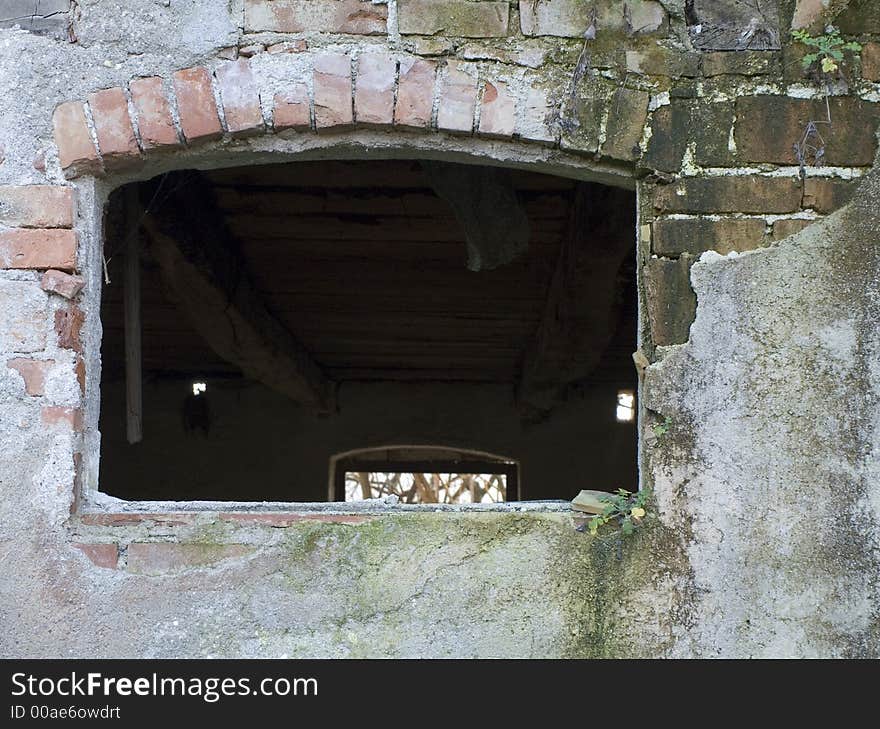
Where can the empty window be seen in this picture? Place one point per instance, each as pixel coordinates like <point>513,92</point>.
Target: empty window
<point>626,406</point>
<point>424,476</point>
<point>259,320</point>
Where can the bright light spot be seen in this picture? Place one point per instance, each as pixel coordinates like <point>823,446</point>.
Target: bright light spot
<point>198,388</point>
<point>626,406</point>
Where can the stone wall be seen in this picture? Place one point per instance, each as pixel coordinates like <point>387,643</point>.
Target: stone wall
<point>758,286</point>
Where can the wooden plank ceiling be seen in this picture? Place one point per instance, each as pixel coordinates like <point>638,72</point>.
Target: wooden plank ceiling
<point>365,265</point>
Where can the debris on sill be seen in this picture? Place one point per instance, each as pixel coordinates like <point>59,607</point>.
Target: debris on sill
<point>591,502</point>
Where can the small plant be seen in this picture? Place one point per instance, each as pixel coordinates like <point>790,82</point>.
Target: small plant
<point>661,429</point>
<point>829,48</point>
<point>826,56</point>
<point>625,508</point>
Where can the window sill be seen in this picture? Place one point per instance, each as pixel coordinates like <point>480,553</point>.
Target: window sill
<point>103,510</point>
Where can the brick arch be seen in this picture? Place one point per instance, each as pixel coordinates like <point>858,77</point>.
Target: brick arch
<point>121,128</point>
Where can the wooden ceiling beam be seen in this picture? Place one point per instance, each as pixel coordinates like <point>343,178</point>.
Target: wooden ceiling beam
<point>584,301</point>
<point>202,269</point>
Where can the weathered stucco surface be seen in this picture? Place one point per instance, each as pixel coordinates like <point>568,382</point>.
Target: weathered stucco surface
<point>766,482</point>
<point>771,461</point>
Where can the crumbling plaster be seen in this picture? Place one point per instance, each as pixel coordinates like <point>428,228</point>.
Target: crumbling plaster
<point>771,463</point>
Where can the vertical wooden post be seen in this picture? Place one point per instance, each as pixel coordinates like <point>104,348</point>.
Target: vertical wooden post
<point>131,285</point>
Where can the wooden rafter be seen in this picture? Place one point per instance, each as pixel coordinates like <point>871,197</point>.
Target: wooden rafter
<point>584,303</point>
<point>203,270</point>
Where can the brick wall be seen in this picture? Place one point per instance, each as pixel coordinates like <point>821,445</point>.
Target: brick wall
<point>705,129</point>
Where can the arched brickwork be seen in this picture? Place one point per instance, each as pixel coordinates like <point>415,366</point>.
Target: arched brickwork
<point>698,112</point>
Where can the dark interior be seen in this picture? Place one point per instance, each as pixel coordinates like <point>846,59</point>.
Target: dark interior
<point>357,272</point>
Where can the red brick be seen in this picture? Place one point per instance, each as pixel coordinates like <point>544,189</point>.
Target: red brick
<point>282,519</point>
<point>101,555</point>
<point>415,93</point>
<point>154,121</point>
<point>68,327</point>
<point>358,17</point>
<point>52,415</point>
<point>37,206</point>
<point>128,519</point>
<point>497,110</point>
<point>80,370</point>
<point>154,557</point>
<point>63,284</point>
<point>332,91</point>
<point>77,153</point>
<point>296,46</point>
<point>38,248</point>
<point>871,61</point>
<point>76,496</point>
<point>251,50</point>
<point>697,235</point>
<point>116,138</point>
<point>458,97</point>
<point>241,100</point>
<point>196,107</point>
<point>291,109</point>
<point>374,93</point>
<point>33,371</point>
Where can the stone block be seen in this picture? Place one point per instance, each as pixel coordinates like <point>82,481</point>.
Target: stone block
<point>768,127</point>
<point>827,194</point>
<point>670,300</point>
<point>462,18</point>
<point>730,194</point>
<point>672,237</point>
<point>690,121</point>
<point>355,17</point>
<point>627,113</point>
